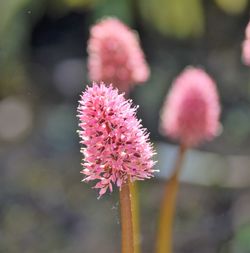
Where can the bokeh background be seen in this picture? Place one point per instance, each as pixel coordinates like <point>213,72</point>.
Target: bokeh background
<point>43,205</point>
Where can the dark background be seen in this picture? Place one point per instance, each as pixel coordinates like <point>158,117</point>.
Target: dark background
<point>43,205</point>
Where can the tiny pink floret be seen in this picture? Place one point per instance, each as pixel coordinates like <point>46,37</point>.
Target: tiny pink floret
<point>115,55</point>
<point>116,147</point>
<point>191,110</point>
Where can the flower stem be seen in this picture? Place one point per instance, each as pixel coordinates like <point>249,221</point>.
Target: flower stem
<point>135,215</point>
<point>134,203</point>
<point>127,240</point>
<point>167,211</point>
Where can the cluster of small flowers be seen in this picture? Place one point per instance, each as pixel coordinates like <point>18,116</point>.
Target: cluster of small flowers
<point>191,111</point>
<point>115,55</point>
<point>117,148</point>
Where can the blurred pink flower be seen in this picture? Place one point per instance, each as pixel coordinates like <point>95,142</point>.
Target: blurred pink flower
<point>246,52</point>
<point>246,46</point>
<point>191,111</point>
<point>117,148</point>
<point>115,55</point>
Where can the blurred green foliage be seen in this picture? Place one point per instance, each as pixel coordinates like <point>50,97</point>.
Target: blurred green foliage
<point>9,9</point>
<point>177,18</point>
<point>14,32</point>
<point>118,8</point>
<point>241,240</point>
<point>62,7</point>
<point>232,6</point>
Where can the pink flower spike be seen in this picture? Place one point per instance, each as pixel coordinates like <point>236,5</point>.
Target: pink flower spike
<point>191,110</point>
<point>117,148</point>
<point>115,55</point>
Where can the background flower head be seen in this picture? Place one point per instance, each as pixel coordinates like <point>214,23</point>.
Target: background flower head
<point>246,52</point>
<point>191,110</point>
<point>246,46</point>
<point>115,55</point>
<point>117,148</point>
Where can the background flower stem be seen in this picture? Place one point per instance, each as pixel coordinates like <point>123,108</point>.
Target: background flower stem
<point>127,240</point>
<point>167,211</point>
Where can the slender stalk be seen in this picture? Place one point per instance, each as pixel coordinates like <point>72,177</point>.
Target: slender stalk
<point>134,205</point>
<point>127,240</point>
<point>135,215</point>
<point>167,211</point>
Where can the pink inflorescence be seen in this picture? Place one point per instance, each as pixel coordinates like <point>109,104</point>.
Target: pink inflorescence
<point>115,55</point>
<point>117,148</point>
<point>191,111</point>
<point>246,46</point>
